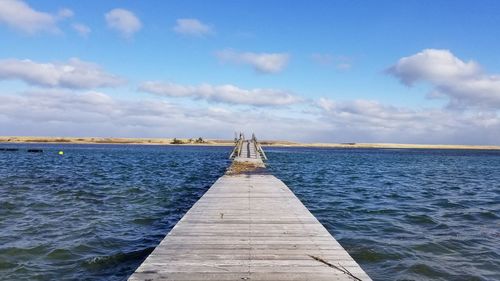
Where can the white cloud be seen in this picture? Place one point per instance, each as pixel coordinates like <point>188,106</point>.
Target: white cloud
<point>82,29</point>
<point>123,21</point>
<point>228,94</point>
<point>463,83</point>
<point>192,27</point>
<point>261,62</point>
<point>75,74</point>
<point>19,15</point>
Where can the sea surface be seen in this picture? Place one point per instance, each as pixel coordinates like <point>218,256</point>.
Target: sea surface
<point>97,211</point>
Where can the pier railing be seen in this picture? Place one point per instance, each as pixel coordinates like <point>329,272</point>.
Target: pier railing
<point>237,148</point>
<point>258,148</point>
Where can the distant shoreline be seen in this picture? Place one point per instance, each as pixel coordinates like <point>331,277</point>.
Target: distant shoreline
<point>212,142</point>
<point>100,140</point>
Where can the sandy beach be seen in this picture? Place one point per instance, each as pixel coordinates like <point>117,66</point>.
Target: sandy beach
<point>216,142</point>
<point>111,140</point>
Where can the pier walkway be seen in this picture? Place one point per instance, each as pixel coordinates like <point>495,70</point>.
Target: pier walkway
<point>249,226</point>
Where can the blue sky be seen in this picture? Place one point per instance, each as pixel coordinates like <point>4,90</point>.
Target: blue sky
<point>322,71</point>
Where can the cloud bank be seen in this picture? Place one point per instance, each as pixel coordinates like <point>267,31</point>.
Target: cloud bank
<point>75,73</point>
<point>371,121</point>
<point>261,62</point>
<point>228,94</point>
<point>62,112</point>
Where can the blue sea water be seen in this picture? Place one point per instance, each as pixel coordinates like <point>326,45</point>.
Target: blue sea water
<point>96,212</point>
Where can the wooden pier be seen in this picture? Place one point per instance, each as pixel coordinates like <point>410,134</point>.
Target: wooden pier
<point>249,226</point>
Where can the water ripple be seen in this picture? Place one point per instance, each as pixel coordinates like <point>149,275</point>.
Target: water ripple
<point>98,211</point>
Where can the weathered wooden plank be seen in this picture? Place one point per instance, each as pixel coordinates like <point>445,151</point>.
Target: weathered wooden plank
<point>195,276</point>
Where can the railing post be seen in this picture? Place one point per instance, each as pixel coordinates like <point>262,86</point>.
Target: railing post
<point>237,148</point>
